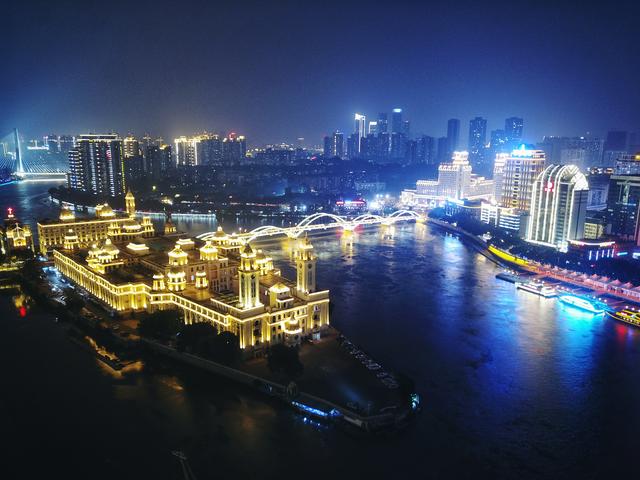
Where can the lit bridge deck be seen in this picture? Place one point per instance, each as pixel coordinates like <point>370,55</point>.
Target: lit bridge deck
<point>313,222</point>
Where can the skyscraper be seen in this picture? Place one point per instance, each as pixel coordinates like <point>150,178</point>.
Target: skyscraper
<point>186,151</point>
<point>334,145</point>
<point>425,150</point>
<point>96,165</point>
<point>360,128</point>
<point>234,149</point>
<point>383,123</point>
<point>453,135</point>
<point>131,146</point>
<point>373,128</point>
<point>396,120</point>
<point>623,207</point>
<point>521,170</point>
<point>558,205</point>
<point>477,140</point>
<point>513,127</point>
<point>498,175</point>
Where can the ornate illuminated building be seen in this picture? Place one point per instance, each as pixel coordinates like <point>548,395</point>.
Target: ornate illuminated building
<point>15,236</point>
<point>106,224</point>
<point>558,206</point>
<point>222,281</point>
<point>521,169</point>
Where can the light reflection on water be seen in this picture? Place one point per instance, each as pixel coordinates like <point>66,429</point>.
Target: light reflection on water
<point>512,382</point>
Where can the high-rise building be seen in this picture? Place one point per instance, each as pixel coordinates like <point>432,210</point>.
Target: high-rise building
<point>615,145</point>
<point>234,149</point>
<point>131,146</point>
<point>326,146</point>
<point>477,141</point>
<point>498,175</point>
<point>186,151</point>
<point>406,128</point>
<point>396,120</point>
<point>96,165</point>
<point>373,128</point>
<point>442,153</point>
<point>623,207</point>
<point>627,165</point>
<point>558,206</point>
<point>513,127</point>
<point>211,148</point>
<point>353,142</point>
<point>453,135</point>
<point>360,128</point>
<point>425,150</point>
<point>522,168</point>
<point>158,160</point>
<point>383,123</point>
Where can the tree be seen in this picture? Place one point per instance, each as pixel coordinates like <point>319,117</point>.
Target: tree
<point>161,324</point>
<point>283,359</point>
<point>73,301</point>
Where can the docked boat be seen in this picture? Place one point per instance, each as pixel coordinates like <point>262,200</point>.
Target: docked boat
<point>582,303</point>
<point>631,317</point>
<point>538,288</point>
<point>508,276</point>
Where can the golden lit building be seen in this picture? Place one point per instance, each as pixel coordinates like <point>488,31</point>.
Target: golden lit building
<point>106,224</point>
<point>15,236</point>
<point>221,281</point>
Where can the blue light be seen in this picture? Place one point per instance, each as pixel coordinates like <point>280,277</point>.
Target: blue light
<point>311,410</point>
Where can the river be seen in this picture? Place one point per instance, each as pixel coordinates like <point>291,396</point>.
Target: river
<point>513,385</point>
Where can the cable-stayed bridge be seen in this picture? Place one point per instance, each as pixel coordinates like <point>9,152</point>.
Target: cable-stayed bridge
<point>30,163</point>
<point>322,221</point>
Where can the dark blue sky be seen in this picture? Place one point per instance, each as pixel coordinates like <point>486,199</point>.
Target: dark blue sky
<point>279,70</point>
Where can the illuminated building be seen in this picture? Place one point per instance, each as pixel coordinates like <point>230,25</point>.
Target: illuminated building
<point>498,175</point>
<point>501,217</point>
<point>360,129</point>
<point>592,250</point>
<point>513,127</point>
<point>623,207</point>
<point>186,150</point>
<point>558,206</point>
<point>234,149</point>
<point>221,281</point>
<point>521,170</point>
<point>14,235</point>
<point>131,147</point>
<point>455,181</point>
<point>477,140</point>
<point>96,165</point>
<point>627,165</point>
<point>106,224</point>
<point>334,145</point>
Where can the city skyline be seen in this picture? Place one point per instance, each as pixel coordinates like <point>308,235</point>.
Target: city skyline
<point>186,83</point>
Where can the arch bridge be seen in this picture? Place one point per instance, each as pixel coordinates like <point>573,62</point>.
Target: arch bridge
<point>323,221</point>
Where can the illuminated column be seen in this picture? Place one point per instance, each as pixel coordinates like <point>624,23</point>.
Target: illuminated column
<point>305,267</point>
<point>201,279</point>
<point>249,279</point>
<point>70,240</point>
<point>130,203</point>
<point>177,279</point>
<point>158,282</point>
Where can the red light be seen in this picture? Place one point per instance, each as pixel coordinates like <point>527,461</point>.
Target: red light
<point>22,311</point>
<point>10,210</point>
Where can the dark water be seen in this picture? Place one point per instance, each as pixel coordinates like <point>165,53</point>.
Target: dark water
<point>515,386</point>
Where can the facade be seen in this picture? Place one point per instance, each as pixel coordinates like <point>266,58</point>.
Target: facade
<point>106,224</point>
<point>627,165</point>
<point>96,165</point>
<point>623,207</point>
<point>220,281</point>
<point>558,206</point>
<point>15,236</point>
<point>521,169</point>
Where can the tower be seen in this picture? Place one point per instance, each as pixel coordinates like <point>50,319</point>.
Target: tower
<point>305,267</point>
<point>130,204</point>
<point>248,279</point>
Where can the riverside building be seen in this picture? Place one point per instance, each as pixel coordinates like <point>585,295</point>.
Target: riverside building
<point>222,281</point>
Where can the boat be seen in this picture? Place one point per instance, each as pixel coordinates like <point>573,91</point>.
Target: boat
<point>631,317</point>
<point>538,288</point>
<point>582,303</point>
<point>508,276</point>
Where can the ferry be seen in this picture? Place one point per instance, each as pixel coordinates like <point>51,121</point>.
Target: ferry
<point>582,304</point>
<point>538,288</point>
<point>508,276</point>
<point>632,317</point>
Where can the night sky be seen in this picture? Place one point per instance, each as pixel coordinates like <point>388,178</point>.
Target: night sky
<point>281,70</point>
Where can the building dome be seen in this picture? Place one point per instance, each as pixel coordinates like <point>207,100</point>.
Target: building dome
<point>66,215</point>
<point>260,255</point>
<point>131,225</point>
<point>158,276</point>
<point>105,211</point>
<point>279,288</point>
<point>94,251</point>
<point>109,247</point>
<point>220,233</point>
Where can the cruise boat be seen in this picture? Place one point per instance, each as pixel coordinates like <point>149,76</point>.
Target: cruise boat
<point>538,288</point>
<point>581,303</point>
<point>632,317</point>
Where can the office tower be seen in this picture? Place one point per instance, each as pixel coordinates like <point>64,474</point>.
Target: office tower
<point>96,165</point>
<point>353,142</point>
<point>498,142</point>
<point>453,135</point>
<point>513,127</point>
<point>360,128</point>
<point>498,175</point>
<point>442,154</point>
<point>396,120</point>
<point>454,178</point>
<point>326,146</point>
<point>522,168</point>
<point>477,140</point>
<point>131,147</point>
<point>425,154</point>
<point>558,206</point>
<point>623,207</point>
<point>615,146</point>
<point>234,149</point>
<point>373,128</point>
<point>383,123</point>
<point>598,190</point>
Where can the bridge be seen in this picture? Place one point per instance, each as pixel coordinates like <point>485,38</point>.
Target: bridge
<point>323,221</point>
<point>36,164</point>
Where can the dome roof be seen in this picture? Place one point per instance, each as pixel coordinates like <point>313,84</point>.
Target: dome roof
<point>220,233</point>
<point>247,250</point>
<point>208,247</point>
<point>109,247</point>
<point>279,288</point>
<point>260,255</point>
<point>66,214</point>
<point>158,276</point>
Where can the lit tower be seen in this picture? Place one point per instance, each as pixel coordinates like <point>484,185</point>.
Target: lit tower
<point>249,279</point>
<point>305,267</point>
<point>130,204</point>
